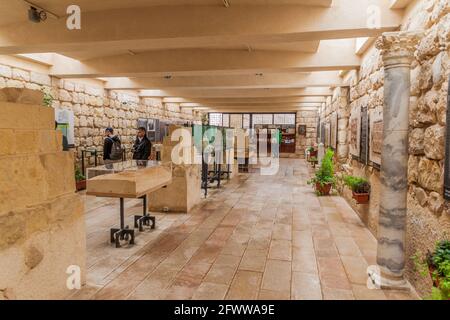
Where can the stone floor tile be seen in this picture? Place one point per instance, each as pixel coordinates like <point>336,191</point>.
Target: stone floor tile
<point>277,275</point>
<point>280,250</point>
<point>337,294</point>
<point>245,286</point>
<point>304,261</point>
<point>274,295</point>
<point>305,286</point>
<point>254,260</point>
<point>361,292</point>
<point>356,269</point>
<point>347,247</point>
<point>210,291</point>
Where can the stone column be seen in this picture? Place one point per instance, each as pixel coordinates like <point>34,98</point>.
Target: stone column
<point>397,49</point>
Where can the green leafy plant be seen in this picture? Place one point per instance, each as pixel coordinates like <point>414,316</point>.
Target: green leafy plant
<point>357,184</point>
<point>437,265</point>
<point>79,176</point>
<point>325,174</point>
<point>310,149</point>
<point>48,98</point>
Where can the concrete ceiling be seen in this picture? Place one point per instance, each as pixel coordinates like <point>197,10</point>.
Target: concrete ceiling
<point>248,52</point>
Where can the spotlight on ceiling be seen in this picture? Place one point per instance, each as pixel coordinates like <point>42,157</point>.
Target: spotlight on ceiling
<point>36,16</point>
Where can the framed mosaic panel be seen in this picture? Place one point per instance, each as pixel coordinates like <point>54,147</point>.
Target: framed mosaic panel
<point>333,129</point>
<point>376,135</point>
<point>355,131</point>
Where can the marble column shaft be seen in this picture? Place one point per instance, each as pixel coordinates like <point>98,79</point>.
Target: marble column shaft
<point>397,51</point>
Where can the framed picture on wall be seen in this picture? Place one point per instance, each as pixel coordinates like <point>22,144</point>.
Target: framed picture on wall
<point>302,130</point>
<point>376,135</point>
<point>355,131</point>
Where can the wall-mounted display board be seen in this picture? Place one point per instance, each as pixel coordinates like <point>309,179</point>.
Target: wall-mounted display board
<point>447,151</point>
<point>302,130</point>
<point>376,135</point>
<point>333,130</point>
<point>327,134</point>
<point>65,120</point>
<point>318,130</point>
<point>364,137</point>
<point>153,128</point>
<point>355,131</point>
<point>322,133</point>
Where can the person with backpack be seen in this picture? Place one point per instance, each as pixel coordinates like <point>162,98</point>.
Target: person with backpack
<point>142,146</point>
<point>112,147</point>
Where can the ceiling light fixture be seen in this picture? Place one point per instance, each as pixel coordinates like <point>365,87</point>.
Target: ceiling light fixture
<point>226,3</point>
<point>168,77</point>
<point>37,14</point>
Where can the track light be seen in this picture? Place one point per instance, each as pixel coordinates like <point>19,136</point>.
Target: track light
<point>36,16</point>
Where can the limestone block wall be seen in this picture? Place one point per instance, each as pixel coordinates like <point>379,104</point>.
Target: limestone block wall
<point>96,108</point>
<point>308,118</point>
<point>41,217</point>
<point>428,213</point>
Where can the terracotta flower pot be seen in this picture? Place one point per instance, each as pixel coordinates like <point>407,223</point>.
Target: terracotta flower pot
<point>81,185</point>
<point>361,198</point>
<point>323,189</point>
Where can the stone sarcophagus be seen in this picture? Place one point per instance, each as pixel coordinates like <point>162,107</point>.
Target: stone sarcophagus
<point>42,227</point>
<point>129,179</point>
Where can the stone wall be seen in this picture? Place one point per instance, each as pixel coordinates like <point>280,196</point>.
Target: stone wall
<point>428,217</point>
<point>42,228</point>
<point>96,108</point>
<point>308,118</point>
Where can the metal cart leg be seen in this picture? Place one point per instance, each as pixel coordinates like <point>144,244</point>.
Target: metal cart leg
<point>145,219</point>
<point>124,233</point>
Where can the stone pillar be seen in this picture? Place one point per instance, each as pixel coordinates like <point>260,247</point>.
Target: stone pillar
<point>397,50</point>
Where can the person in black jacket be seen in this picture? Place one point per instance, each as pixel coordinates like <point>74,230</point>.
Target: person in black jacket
<point>110,138</point>
<point>142,146</point>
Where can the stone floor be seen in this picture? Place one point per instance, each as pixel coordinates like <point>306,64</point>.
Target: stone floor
<point>258,237</point>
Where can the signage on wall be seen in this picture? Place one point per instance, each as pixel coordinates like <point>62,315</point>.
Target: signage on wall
<point>447,151</point>
<point>65,120</point>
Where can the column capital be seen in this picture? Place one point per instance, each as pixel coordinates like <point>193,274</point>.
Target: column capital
<point>398,48</point>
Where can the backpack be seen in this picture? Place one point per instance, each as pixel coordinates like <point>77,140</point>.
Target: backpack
<point>116,150</point>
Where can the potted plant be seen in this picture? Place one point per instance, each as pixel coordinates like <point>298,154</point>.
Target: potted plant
<point>437,266</point>
<point>80,180</point>
<point>312,153</point>
<point>324,179</point>
<point>314,161</point>
<point>360,188</point>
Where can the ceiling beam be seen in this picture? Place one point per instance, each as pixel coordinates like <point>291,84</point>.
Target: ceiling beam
<point>258,80</point>
<point>267,100</point>
<point>238,93</point>
<point>194,62</point>
<point>170,27</point>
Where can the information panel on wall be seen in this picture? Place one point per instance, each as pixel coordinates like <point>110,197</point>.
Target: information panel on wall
<point>364,137</point>
<point>447,151</point>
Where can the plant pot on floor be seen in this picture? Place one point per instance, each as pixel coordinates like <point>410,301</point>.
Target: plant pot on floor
<point>361,198</point>
<point>81,185</point>
<point>324,189</point>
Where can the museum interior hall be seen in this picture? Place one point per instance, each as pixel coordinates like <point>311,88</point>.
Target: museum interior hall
<point>224,150</point>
